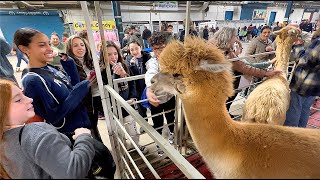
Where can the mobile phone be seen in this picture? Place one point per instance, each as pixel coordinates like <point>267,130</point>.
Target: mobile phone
<point>92,73</point>
<point>62,54</point>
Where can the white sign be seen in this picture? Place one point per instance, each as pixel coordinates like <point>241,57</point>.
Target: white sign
<point>167,5</point>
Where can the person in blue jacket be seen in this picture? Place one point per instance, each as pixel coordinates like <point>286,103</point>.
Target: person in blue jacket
<point>57,96</point>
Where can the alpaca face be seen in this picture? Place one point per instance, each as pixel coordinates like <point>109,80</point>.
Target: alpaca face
<point>182,66</point>
<point>185,59</point>
<point>290,32</point>
<point>165,82</point>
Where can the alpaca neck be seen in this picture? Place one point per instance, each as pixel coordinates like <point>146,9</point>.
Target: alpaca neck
<point>283,55</point>
<point>207,118</point>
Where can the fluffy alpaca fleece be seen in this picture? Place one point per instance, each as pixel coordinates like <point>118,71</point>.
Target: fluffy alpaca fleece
<point>231,149</point>
<point>269,102</point>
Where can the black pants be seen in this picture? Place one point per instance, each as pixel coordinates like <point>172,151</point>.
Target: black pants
<point>142,110</point>
<point>93,116</point>
<point>158,120</point>
<point>235,86</point>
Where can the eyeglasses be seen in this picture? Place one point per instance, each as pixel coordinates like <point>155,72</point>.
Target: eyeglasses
<point>158,48</point>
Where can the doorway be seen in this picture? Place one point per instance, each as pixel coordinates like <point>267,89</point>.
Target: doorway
<point>272,18</point>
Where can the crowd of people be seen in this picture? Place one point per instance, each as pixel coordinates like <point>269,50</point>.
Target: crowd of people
<point>60,89</point>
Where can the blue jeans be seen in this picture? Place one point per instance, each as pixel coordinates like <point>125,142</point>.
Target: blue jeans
<point>146,44</point>
<point>299,110</point>
<point>20,56</point>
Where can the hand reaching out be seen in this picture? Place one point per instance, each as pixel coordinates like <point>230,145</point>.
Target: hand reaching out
<point>273,60</point>
<point>152,98</point>
<point>92,80</point>
<point>269,48</point>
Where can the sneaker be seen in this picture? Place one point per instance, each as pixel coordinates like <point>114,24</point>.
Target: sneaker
<point>160,152</point>
<point>171,137</point>
<point>143,149</point>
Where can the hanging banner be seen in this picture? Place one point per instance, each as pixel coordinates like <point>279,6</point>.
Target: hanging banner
<point>167,5</point>
<point>259,14</point>
<point>29,13</point>
<point>311,10</point>
<point>107,25</point>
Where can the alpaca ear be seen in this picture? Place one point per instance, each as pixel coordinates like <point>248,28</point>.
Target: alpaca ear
<point>276,32</point>
<point>178,84</point>
<point>213,67</point>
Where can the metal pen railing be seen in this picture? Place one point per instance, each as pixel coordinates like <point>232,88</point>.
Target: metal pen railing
<point>173,154</point>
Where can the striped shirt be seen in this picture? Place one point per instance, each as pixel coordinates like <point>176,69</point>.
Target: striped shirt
<point>306,77</point>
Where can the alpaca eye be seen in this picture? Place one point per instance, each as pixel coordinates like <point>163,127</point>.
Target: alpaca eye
<point>176,75</point>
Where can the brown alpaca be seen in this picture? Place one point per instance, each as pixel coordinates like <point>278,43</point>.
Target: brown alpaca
<point>199,74</point>
<point>269,102</point>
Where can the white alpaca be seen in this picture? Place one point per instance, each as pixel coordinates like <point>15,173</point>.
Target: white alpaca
<point>199,74</point>
<point>269,102</point>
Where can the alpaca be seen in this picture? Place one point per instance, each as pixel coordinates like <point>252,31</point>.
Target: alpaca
<point>199,74</point>
<point>270,100</point>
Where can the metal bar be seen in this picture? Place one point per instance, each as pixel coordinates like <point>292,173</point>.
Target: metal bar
<point>119,112</point>
<point>187,25</point>
<point>159,114</point>
<point>125,173</point>
<point>130,78</point>
<point>84,8</point>
<point>104,49</point>
<point>176,125</point>
<point>173,154</point>
<point>153,171</point>
<point>252,56</point>
<point>186,137</point>
<point>128,167</point>
<point>108,72</point>
<point>181,120</point>
<point>158,128</point>
<point>130,158</point>
<point>291,74</point>
<point>109,77</point>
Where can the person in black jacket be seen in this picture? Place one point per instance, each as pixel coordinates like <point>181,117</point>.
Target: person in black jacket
<point>206,32</point>
<point>136,61</point>
<point>145,36</point>
<point>192,32</point>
